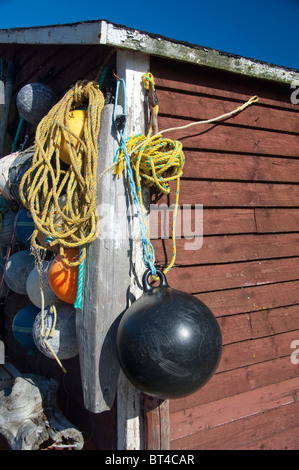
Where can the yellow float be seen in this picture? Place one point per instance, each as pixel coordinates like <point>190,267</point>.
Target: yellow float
<point>70,143</point>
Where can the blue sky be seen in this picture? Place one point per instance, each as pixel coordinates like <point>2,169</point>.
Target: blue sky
<point>265,30</point>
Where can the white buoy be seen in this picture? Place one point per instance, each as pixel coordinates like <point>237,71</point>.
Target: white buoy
<point>33,286</point>
<point>63,341</point>
<point>5,163</point>
<point>18,268</point>
<point>17,170</point>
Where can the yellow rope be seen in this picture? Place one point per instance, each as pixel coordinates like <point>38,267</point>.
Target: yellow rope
<point>148,81</point>
<point>74,223</point>
<point>49,333</point>
<point>156,164</point>
<point>156,161</point>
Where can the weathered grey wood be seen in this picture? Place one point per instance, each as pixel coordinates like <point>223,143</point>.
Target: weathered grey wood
<point>106,279</point>
<point>131,66</point>
<point>11,71</point>
<point>30,415</point>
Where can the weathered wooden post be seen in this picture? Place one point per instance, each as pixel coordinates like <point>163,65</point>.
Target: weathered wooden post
<point>106,280</point>
<point>131,66</point>
<point>113,271</point>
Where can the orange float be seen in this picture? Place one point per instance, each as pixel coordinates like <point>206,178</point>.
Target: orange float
<point>63,279</point>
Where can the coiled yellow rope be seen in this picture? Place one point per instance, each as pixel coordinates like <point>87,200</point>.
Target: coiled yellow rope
<point>73,223</point>
<point>156,161</point>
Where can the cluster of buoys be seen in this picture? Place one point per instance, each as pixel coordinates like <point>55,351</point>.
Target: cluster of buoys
<point>48,321</point>
<point>49,284</point>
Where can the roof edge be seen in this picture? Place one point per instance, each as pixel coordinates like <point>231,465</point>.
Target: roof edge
<point>119,36</point>
<point>128,38</point>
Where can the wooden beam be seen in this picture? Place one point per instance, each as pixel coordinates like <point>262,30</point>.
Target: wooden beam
<point>130,67</point>
<point>133,431</point>
<point>106,280</point>
<point>156,423</point>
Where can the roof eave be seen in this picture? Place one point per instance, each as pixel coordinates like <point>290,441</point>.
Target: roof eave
<point>119,36</point>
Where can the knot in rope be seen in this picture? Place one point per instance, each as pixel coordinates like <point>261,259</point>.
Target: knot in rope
<point>148,79</point>
<point>82,90</point>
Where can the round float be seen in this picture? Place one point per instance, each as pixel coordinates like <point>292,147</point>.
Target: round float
<point>63,279</point>
<point>33,286</point>
<point>34,101</point>
<point>25,226</point>
<point>63,341</point>
<point>18,268</point>
<point>168,341</point>
<point>23,323</point>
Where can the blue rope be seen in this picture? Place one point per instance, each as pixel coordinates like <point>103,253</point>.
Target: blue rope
<point>148,250</point>
<point>78,302</point>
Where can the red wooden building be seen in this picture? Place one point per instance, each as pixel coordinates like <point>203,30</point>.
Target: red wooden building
<point>244,171</point>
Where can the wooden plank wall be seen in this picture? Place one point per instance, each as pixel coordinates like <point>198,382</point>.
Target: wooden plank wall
<point>61,66</point>
<point>245,172</point>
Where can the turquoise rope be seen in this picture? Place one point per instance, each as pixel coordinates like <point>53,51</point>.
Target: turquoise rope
<point>78,303</point>
<point>103,76</point>
<point>15,142</point>
<point>148,250</point>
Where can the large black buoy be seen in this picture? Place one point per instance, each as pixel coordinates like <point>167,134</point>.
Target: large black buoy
<point>168,342</point>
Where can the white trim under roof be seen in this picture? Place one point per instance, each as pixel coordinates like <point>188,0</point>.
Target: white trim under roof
<point>110,34</point>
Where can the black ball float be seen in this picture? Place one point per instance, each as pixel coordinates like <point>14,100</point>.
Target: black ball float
<point>168,342</point>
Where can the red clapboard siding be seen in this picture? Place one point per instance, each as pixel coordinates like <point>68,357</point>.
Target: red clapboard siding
<point>222,276</point>
<point>235,194</point>
<point>208,107</point>
<point>228,138</point>
<point>259,324</point>
<point>215,221</point>
<point>277,220</point>
<point>285,440</point>
<point>221,221</point>
<point>260,427</point>
<point>228,248</point>
<point>234,382</point>
<point>223,166</point>
<point>243,260</point>
<point>247,299</point>
<point>230,409</point>
<point>255,351</point>
<point>208,82</point>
